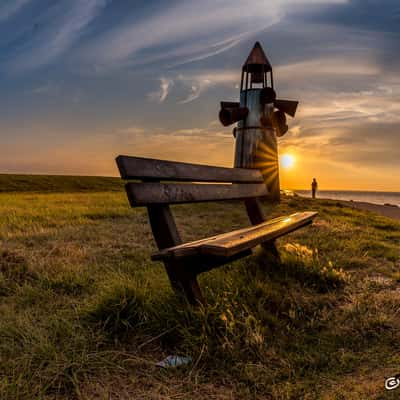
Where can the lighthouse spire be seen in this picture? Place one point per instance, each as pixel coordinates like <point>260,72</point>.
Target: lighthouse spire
<point>257,61</point>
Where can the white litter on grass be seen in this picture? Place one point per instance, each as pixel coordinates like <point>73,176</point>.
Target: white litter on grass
<point>174,361</point>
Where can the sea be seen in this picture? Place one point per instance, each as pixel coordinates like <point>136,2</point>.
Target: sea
<point>392,198</point>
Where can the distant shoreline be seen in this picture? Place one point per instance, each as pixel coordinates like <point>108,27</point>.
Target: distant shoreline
<point>390,211</point>
<point>387,210</point>
<point>387,199</point>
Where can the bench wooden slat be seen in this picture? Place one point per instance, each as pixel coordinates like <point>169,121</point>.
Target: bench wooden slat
<point>192,248</point>
<point>229,244</point>
<point>152,169</point>
<point>141,194</point>
<point>234,243</point>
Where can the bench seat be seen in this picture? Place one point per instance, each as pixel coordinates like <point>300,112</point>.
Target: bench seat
<point>235,242</point>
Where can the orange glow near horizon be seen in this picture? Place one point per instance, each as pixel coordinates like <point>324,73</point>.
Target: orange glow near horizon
<point>96,157</point>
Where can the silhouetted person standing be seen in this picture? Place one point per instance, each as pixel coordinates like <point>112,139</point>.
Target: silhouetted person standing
<point>314,187</point>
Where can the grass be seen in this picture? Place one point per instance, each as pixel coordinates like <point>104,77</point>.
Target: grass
<point>58,183</point>
<point>85,313</point>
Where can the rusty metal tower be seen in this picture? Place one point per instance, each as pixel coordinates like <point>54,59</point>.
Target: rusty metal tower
<point>261,118</point>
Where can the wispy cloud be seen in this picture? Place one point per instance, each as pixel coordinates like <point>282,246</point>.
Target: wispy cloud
<point>198,83</point>
<point>330,66</point>
<point>161,94</point>
<point>196,90</point>
<point>187,55</point>
<point>206,25</point>
<point>194,84</point>
<point>59,27</point>
<point>177,33</point>
<point>188,31</point>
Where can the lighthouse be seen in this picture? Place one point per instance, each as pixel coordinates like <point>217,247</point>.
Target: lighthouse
<point>260,118</point>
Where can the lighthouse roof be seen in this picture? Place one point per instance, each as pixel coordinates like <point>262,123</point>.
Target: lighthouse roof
<point>257,60</point>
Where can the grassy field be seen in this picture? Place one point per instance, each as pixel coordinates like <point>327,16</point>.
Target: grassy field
<point>58,183</point>
<point>85,314</point>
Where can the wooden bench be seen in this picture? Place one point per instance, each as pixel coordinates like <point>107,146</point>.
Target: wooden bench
<point>184,261</point>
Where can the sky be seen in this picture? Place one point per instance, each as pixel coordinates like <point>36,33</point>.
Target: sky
<point>82,81</point>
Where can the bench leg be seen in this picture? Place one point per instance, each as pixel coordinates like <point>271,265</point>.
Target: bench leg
<point>272,251</point>
<point>184,282</point>
<point>192,291</point>
<point>173,276</point>
<point>166,235</point>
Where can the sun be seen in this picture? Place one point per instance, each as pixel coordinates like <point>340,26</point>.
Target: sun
<point>287,161</point>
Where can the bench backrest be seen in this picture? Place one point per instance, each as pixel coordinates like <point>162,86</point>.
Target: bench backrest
<point>223,183</point>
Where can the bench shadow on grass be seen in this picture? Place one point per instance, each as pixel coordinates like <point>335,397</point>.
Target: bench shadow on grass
<point>301,264</point>
<point>255,288</point>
